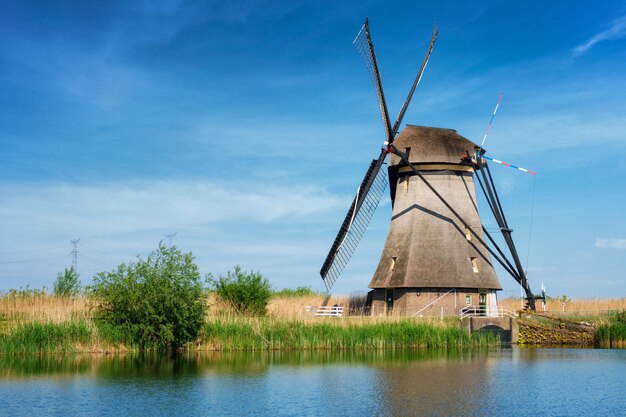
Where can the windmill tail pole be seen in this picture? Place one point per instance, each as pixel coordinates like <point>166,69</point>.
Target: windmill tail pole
<point>530,297</point>
<point>492,196</point>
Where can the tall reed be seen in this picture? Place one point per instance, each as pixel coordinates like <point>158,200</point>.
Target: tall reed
<point>233,333</point>
<point>38,337</point>
<point>612,333</point>
<point>16,306</point>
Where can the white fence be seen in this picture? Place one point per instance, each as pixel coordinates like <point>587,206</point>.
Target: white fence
<point>327,311</point>
<point>486,311</point>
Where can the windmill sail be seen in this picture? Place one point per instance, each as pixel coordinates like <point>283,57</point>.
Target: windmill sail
<point>373,185</point>
<point>364,45</point>
<point>354,224</point>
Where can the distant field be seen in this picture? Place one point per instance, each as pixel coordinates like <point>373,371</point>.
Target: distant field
<point>575,307</point>
<point>49,308</point>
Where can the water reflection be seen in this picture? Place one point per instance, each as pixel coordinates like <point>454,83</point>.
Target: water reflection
<point>191,363</point>
<point>403,382</point>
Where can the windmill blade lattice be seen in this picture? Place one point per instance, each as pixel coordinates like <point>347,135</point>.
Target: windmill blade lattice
<point>365,47</point>
<point>354,224</point>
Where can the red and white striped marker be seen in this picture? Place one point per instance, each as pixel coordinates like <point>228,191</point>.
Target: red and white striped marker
<point>509,165</point>
<point>491,120</point>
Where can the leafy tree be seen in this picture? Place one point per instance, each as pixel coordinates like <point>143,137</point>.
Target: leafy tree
<point>67,283</point>
<point>158,302</point>
<point>248,292</point>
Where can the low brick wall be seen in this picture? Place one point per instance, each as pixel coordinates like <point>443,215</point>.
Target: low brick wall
<point>426,302</point>
<point>507,327</point>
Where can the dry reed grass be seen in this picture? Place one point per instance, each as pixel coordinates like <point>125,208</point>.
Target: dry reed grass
<point>303,308</point>
<point>581,306</point>
<point>16,308</point>
<point>43,307</point>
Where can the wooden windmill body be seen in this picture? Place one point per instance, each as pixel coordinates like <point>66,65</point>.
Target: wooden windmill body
<point>431,262</point>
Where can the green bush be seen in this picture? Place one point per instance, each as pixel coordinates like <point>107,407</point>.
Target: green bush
<point>158,302</point>
<point>248,292</point>
<point>67,283</point>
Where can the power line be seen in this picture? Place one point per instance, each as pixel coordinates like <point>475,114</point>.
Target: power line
<point>32,250</point>
<point>25,261</point>
<point>112,259</point>
<point>96,261</point>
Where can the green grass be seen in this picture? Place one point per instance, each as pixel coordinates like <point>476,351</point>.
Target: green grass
<point>611,334</point>
<point>271,334</point>
<point>36,337</point>
<point>249,334</point>
<point>114,336</point>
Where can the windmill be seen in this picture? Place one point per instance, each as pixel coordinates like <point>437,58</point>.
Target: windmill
<point>436,243</point>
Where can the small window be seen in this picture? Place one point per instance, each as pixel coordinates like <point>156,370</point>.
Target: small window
<point>468,234</point>
<point>474,265</point>
<point>468,299</point>
<point>393,263</point>
<point>406,183</point>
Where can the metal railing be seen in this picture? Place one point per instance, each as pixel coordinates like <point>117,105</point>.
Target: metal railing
<point>486,311</point>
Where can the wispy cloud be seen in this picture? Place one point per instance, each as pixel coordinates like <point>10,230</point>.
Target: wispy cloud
<point>616,31</point>
<point>602,243</point>
<point>280,228</point>
<point>144,205</point>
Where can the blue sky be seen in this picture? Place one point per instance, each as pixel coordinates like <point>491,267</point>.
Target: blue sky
<point>246,127</point>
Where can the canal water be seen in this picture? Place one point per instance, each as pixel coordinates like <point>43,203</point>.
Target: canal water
<point>498,382</point>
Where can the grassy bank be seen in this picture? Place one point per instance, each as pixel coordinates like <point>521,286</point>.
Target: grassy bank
<point>353,334</point>
<point>38,337</point>
<point>232,333</point>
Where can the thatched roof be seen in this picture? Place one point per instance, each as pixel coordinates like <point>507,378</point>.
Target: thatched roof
<point>431,145</point>
<point>426,245</point>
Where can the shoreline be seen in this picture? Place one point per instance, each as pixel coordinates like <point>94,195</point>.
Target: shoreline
<point>251,334</point>
<point>43,323</point>
<point>244,334</point>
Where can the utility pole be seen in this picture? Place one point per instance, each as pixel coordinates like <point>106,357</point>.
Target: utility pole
<point>170,238</point>
<point>75,254</point>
